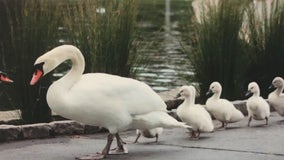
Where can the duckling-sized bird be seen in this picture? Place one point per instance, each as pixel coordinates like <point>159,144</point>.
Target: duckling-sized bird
<point>193,114</point>
<point>276,98</point>
<point>113,102</point>
<point>257,107</point>
<point>149,133</point>
<point>222,109</point>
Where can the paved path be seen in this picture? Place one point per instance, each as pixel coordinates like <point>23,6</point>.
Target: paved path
<point>236,143</point>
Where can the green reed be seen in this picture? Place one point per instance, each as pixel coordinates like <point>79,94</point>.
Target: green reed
<point>217,53</point>
<point>104,31</point>
<point>265,44</point>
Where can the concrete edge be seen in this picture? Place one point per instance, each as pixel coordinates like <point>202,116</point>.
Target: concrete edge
<point>69,127</point>
<point>45,130</point>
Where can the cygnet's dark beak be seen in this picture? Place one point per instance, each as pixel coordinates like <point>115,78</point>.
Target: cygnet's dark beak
<point>271,86</point>
<point>209,92</point>
<point>177,96</point>
<point>248,94</point>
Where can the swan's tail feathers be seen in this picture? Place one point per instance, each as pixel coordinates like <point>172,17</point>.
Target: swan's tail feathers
<point>157,119</point>
<point>237,116</point>
<point>182,125</point>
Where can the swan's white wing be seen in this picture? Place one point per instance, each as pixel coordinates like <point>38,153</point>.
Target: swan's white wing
<point>122,93</point>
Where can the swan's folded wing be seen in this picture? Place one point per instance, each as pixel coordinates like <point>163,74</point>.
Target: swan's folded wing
<point>125,93</point>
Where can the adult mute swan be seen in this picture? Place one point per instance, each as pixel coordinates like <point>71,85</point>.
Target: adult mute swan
<point>149,133</point>
<point>105,100</point>
<point>222,109</point>
<point>193,114</point>
<point>276,98</point>
<point>4,77</point>
<point>257,107</point>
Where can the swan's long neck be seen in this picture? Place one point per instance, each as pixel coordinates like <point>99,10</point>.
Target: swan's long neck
<point>77,69</point>
<point>190,100</point>
<point>256,94</point>
<point>216,95</point>
<point>57,92</point>
<point>279,90</point>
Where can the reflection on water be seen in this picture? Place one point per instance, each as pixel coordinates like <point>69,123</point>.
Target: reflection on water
<point>160,24</point>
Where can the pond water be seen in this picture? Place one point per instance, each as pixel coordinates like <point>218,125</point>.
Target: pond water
<point>161,24</point>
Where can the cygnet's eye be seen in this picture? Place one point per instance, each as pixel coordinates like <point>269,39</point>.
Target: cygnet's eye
<point>251,88</point>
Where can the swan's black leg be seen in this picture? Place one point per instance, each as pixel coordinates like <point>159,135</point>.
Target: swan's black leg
<point>120,149</point>
<point>99,155</point>
<point>222,126</point>
<point>249,120</point>
<point>198,134</point>
<point>157,137</point>
<point>266,119</point>
<point>136,140</point>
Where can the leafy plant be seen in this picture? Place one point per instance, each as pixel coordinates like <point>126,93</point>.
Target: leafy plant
<point>265,41</point>
<point>104,31</point>
<point>218,54</point>
<point>30,29</point>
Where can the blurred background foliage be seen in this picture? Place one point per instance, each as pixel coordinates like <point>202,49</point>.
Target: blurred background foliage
<point>102,30</point>
<point>236,42</point>
<point>230,41</point>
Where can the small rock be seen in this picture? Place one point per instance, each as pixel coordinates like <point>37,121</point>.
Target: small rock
<point>67,127</point>
<point>9,132</point>
<point>39,130</point>
<point>93,129</point>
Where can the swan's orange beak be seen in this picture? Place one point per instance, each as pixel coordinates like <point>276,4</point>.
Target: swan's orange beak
<point>36,76</point>
<point>5,79</point>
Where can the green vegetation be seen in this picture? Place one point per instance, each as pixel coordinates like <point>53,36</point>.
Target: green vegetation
<point>218,49</point>
<point>236,43</point>
<point>265,40</point>
<point>29,28</point>
<point>104,31</point>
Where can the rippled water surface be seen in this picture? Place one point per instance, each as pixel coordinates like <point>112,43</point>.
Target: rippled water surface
<point>166,65</point>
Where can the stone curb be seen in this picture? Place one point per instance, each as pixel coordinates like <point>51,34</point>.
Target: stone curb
<point>45,130</point>
<point>69,127</point>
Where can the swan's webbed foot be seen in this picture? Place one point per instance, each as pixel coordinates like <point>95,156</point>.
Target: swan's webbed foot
<point>92,157</point>
<point>99,155</point>
<point>119,150</point>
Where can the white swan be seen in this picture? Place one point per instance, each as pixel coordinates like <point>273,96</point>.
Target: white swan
<point>4,77</point>
<point>222,109</point>
<point>276,98</point>
<point>193,114</point>
<point>257,107</point>
<point>109,101</point>
<point>149,133</point>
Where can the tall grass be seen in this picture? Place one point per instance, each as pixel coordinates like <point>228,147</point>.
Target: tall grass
<point>30,28</point>
<point>104,31</point>
<point>265,40</point>
<point>218,50</point>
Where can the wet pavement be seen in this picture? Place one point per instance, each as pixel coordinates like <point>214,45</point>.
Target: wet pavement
<point>238,142</point>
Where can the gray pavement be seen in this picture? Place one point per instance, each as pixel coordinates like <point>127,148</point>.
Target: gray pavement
<point>238,142</point>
